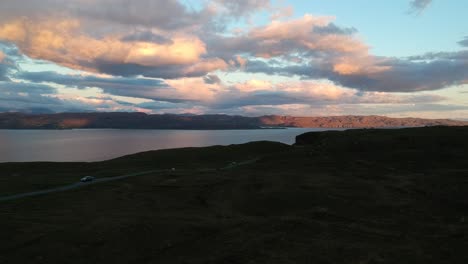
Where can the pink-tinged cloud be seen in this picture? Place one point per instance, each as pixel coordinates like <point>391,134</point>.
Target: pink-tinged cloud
<point>195,89</point>
<point>2,56</point>
<point>204,66</point>
<point>212,93</point>
<point>309,39</point>
<point>294,29</point>
<point>180,51</point>
<point>302,90</point>
<point>63,42</point>
<point>359,64</point>
<point>254,85</point>
<point>312,33</point>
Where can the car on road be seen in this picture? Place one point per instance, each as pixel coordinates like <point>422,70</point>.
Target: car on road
<point>87,179</point>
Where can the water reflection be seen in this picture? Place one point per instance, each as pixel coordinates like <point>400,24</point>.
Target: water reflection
<point>94,145</point>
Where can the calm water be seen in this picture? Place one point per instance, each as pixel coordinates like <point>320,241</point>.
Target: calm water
<point>101,144</point>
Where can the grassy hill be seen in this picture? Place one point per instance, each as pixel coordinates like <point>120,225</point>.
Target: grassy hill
<point>360,196</point>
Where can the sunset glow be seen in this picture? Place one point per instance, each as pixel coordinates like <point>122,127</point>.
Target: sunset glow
<point>226,56</point>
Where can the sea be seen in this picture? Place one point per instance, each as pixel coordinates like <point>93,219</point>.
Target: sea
<point>86,145</point>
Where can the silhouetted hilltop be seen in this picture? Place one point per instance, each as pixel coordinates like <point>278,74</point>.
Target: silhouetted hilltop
<point>170,121</point>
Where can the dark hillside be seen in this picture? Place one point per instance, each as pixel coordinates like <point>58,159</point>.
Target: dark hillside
<point>360,196</point>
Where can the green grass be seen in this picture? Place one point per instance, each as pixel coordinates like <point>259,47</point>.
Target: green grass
<point>357,197</point>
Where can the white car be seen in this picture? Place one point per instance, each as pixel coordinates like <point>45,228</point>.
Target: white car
<point>87,179</point>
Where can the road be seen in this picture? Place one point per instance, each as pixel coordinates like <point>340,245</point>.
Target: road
<point>108,179</point>
<point>75,185</point>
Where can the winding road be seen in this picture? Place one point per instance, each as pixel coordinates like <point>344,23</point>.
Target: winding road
<point>75,185</point>
<point>108,179</point>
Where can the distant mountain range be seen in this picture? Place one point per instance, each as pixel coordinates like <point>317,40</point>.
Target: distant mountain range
<point>170,121</point>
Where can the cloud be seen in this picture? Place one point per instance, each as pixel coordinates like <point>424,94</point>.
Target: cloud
<point>167,15</point>
<point>212,79</point>
<point>3,68</point>
<point>464,42</point>
<point>42,98</point>
<point>160,54</point>
<point>182,57</point>
<point>312,47</point>
<point>87,81</point>
<point>192,95</point>
<point>7,65</point>
<point>26,88</point>
<point>283,12</point>
<point>62,41</point>
<point>239,8</point>
<point>409,75</point>
<point>26,97</point>
<point>175,91</point>
<point>418,6</point>
<point>201,68</point>
<point>211,93</point>
<point>163,14</point>
<point>431,71</point>
<point>147,36</point>
<point>122,86</point>
<point>306,34</point>
<point>256,92</point>
<point>347,61</point>
<point>308,39</point>
<point>51,104</point>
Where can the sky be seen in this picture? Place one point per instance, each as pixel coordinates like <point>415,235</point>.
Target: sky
<point>401,58</point>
